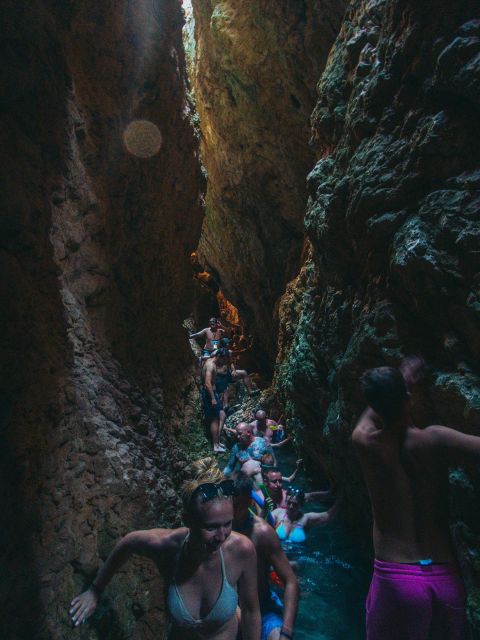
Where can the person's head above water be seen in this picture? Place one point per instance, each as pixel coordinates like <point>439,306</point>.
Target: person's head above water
<point>272,478</point>
<point>295,501</point>
<point>244,434</point>
<point>386,393</point>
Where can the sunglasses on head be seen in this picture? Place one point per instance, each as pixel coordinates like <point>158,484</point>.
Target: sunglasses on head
<point>209,490</point>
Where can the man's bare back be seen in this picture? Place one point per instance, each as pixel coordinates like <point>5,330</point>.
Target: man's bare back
<point>407,480</point>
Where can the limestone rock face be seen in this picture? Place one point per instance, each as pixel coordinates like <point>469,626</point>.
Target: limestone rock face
<point>254,75</point>
<point>96,281</point>
<point>393,222</point>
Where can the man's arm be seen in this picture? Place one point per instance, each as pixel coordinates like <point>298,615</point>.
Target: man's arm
<point>248,592</point>
<point>198,334</point>
<point>280,444</point>
<point>279,561</point>
<point>456,447</point>
<point>291,478</point>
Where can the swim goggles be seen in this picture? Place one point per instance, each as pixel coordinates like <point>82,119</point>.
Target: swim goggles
<point>298,493</point>
<point>209,491</point>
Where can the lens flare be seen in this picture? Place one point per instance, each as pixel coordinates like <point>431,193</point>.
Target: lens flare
<point>142,138</point>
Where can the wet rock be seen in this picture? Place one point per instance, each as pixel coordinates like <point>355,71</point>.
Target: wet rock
<point>393,223</point>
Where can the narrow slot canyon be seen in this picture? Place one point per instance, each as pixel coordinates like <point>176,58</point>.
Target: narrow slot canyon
<point>309,172</point>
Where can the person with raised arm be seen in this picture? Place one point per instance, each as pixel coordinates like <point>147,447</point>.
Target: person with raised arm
<point>209,569</point>
<point>292,523</point>
<point>416,590</point>
<point>213,334</point>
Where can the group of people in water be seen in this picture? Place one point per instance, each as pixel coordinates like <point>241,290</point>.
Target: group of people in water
<point>226,568</point>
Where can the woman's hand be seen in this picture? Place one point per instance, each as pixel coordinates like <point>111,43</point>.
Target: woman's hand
<point>83,606</point>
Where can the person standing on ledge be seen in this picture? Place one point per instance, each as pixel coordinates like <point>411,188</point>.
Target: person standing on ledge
<point>416,591</point>
<point>213,334</point>
<point>210,570</point>
<point>212,404</point>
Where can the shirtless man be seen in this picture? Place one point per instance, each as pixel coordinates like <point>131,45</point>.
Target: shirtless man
<point>416,591</point>
<point>273,481</point>
<point>213,334</point>
<point>277,619</point>
<point>269,429</point>
<point>211,401</point>
<point>246,449</point>
<point>227,374</point>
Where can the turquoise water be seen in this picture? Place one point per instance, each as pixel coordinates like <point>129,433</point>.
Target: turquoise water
<point>333,578</point>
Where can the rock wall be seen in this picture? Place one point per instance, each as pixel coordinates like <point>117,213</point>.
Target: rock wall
<point>256,65</point>
<point>96,281</point>
<point>393,226</point>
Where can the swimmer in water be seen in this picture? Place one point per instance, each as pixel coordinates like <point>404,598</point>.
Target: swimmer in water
<point>205,564</point>
<point>277,618</point>
<point>273,481</point>
<point>292,523</point>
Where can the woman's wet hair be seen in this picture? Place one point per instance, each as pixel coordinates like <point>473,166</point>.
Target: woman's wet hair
<point>206,466</point>
<point>268,461</point>
<point>385,391</point>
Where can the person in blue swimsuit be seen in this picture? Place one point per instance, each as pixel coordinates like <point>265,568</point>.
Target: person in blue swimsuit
<point>210,570</point>
<point>292,523</point>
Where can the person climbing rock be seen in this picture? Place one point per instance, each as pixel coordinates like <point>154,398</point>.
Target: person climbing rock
<point>228,375</point>
<point>416,590</point>
<point>248,447</point>
<point>205,565</point>
<point>292,523</point>
<point>212,404</point>
<point>213,334</point>
<point>278,618</point>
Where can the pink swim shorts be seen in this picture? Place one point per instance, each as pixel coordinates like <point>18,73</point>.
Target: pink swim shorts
<point>414,602</point>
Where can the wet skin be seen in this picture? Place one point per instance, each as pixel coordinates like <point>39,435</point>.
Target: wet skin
<point>406,471</point>
<point>198,574</point>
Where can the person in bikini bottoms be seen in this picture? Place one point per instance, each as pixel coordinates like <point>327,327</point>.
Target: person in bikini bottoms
<point>416,590</point>
<point>292,523</point>
<point>205,565</point>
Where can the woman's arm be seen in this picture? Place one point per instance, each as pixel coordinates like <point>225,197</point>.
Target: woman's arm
<point>136,542</point>
<point>248,591</point>
<point>319,519</point>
